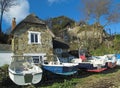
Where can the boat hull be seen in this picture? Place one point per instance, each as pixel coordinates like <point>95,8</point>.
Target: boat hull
<point>61,70</point>
<point>91,68</point>
<point>25,79</point>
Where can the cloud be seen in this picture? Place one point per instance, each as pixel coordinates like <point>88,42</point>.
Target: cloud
<point>55,1</point>
<point>20,11</point>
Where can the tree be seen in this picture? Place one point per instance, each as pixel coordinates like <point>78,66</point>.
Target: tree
<point>4,7</point>
<point>59,23</point>
<point>101,10</point>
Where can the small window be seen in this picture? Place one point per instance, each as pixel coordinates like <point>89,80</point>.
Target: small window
<point>36,59</point>
<point>34,37</point>
<point>58,51</point>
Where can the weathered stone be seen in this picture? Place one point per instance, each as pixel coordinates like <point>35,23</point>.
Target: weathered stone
<point>20,40</point>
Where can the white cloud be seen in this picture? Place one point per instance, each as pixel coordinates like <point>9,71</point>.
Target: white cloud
<point>20,11</point>
<point>55,1</point>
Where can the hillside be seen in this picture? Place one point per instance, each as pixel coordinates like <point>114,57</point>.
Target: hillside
<point>94,37</point>
<point>59,23</point>
<point>89,36</point>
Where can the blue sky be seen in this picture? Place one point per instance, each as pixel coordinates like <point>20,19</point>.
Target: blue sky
<point>45,9</point>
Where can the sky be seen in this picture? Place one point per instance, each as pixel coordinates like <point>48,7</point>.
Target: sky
<point>45,9</point>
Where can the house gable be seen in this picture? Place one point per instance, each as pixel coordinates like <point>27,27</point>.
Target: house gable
<point>31,36</point>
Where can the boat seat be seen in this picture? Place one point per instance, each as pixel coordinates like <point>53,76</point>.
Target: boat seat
<point>51,63</point>
<point>27,66</point>
<point>18,67</point>
<point>45,62</point>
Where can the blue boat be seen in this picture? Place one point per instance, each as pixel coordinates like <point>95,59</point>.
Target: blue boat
<point>52,64</point>
<point>118,59</point>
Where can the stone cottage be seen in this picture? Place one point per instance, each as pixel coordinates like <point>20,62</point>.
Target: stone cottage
<point>31,37</point>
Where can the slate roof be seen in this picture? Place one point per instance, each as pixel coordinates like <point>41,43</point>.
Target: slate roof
<point>60,44</point>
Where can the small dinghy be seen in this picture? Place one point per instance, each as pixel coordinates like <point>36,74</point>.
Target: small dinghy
<point>53,65</point>
<point>22,71</point>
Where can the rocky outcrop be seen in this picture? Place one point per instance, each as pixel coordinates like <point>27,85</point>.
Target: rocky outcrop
<point>88,35</point>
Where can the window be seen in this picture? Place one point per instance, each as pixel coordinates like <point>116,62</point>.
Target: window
<point>36,59</point>
<point>58,50</point>
<point>34,37</point>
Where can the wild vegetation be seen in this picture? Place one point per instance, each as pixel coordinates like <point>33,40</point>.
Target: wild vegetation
<point>59,23</point>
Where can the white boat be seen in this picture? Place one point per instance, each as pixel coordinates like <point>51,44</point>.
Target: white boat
<point>95,63</point>
<point>89,63</point>
<point>92,64</point>
<point>22,71</point>
<point>53,65</point>
<point>110,59</point>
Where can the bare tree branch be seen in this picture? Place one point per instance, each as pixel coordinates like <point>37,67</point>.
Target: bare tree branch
<point>4,7</point>
<point>102,9</point>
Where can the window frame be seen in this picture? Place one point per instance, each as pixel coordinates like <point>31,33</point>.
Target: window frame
<point>34,37</point>
<point>58,50</point>
<point>40,56</point>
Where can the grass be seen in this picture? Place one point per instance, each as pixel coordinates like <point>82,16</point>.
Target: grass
<point>82,79</point>
<point>87,80</point>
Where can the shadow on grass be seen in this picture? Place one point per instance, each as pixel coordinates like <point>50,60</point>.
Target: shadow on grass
<point>111,70</point>
<point>84,73</point>
<point>49,79</point>
<point>7,83</point>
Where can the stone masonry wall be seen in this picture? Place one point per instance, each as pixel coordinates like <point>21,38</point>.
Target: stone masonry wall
<point>21,46</point>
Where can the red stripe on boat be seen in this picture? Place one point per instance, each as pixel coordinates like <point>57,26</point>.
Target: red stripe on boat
<point>97,70</point>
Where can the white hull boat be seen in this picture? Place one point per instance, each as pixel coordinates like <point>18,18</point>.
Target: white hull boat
<point>22,71</point>
<point>110,59</point>
<point>95,63</point>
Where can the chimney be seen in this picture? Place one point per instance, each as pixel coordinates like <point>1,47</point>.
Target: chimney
<point>13,23</point>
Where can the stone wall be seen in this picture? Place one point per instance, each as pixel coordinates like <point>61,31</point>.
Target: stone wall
<point>20,41</point>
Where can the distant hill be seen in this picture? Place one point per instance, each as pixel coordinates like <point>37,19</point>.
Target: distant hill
<point>59,23</point>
